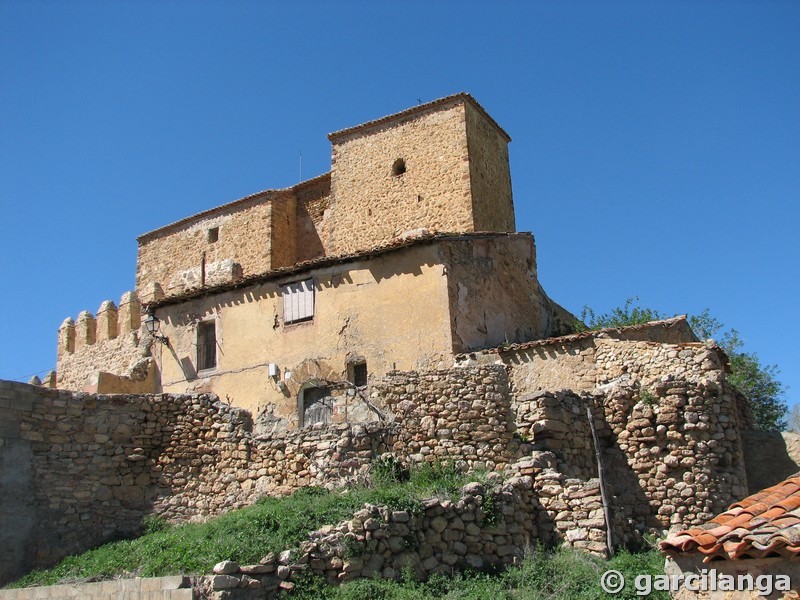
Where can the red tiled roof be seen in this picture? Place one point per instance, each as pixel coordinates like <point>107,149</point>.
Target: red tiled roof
<point>763,525</point>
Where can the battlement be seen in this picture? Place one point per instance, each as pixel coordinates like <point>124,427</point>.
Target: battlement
<point>110,323</point>
<point>110,338</point>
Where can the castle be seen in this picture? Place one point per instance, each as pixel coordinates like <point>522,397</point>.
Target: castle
<point>402,257</point>
<point>292,337</point>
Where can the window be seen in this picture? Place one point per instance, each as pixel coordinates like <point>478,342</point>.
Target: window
<point>213,235</point>
<point>317,406</point>
<point>298,301</point>
<point>399,167</point>
<point>357,373</point>
<point>206,345</point>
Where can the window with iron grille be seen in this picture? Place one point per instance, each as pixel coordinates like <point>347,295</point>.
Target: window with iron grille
<point>206,345</point>
<point>298,301</point>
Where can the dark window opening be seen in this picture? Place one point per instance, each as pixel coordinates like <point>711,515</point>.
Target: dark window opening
<point>317,406</point>
<point>360,374</point>
<point>213,235</point>
<point>399,167</point>
<point>357,373</point>
<point>206,345</point>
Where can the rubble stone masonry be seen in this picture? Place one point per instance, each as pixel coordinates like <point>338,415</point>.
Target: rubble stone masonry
<point>92,466</point>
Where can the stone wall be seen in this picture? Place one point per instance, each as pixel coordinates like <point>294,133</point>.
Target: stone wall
<point>455,414</point>
<point>490,175</point>
<point>93,466</point>
<point>375,201</point>
<point>172,256</point>
<point>154,588</point>
<point>312,216</point>
<point>491,524</point>
<point>568,362</point>
<point>110,344</point>
<point>667,420</point>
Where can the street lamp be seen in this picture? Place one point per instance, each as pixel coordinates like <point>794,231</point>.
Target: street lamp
<point>153,325</point>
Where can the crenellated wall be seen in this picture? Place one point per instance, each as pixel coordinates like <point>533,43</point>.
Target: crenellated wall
<point>109,351</point>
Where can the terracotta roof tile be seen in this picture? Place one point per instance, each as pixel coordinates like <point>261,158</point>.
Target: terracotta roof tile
<point>764,524</point>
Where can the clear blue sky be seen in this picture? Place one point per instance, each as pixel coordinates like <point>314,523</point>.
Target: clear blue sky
<point>655,153</point>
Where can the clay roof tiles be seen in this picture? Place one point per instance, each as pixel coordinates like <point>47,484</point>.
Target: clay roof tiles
<point>766,524</point>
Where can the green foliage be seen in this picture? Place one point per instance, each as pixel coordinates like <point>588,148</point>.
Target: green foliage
<point>758,383</point>
<point>647,397</point>
<point>490,509</point>
<point>154,524</point>
<point>387,470</point>
<point>628,314</point>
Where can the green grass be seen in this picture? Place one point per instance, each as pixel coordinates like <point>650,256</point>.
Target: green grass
<point>563,574</point>
<point>273,525</point>
<point>245,536</point>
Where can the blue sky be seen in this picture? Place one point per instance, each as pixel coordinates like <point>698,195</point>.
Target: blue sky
<point>655,153</point>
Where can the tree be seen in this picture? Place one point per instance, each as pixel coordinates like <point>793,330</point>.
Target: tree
<point>758,383</point>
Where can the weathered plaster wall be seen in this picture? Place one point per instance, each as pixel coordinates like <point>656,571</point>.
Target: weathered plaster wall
<point>490,175</point>
<point>570,362</point>
<point>554,366</point>
<point>494,294</point>
<point>770,457</point>
<point>251,332</point>
<point>371,205</point>
<point>176,587</point>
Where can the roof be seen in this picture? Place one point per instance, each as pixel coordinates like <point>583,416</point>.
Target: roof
<point>409,112</point>
<point>766,524</point>
<point>572,337</point>
<point>425,237</point>
<point>240,203</point>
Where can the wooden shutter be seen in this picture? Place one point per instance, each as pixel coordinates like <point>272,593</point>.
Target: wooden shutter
<point>298,301</point>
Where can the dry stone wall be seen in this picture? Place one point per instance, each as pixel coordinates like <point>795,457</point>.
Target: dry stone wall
<point>491,524</point>
<point>454,414</point>
<point>94,465</point>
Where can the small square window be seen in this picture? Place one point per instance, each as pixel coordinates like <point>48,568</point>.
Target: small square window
<point>358,373</point>
<point>213,235</point>
<point>206,345</point>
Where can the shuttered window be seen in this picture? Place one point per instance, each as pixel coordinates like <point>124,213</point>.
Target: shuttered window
<point>298,301</point>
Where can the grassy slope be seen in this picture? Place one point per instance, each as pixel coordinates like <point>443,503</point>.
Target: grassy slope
<point>273,525</point>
